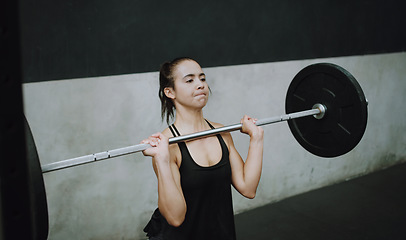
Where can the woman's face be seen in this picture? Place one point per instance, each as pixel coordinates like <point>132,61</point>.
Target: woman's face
<point>191,89</point>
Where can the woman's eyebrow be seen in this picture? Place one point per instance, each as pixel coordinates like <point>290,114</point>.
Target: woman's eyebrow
<point>192,75</point>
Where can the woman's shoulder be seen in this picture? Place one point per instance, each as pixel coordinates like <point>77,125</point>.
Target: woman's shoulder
<point>167,132</point>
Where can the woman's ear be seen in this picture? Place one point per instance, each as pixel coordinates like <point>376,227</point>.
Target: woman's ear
<point>169,92</point>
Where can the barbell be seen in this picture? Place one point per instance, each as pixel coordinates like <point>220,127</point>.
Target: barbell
<point>325,91</point>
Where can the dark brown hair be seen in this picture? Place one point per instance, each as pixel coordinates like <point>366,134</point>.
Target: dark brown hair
<point>166,79</point>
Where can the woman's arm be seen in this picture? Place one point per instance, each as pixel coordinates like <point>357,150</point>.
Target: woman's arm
<point>171,202</point>
<point>246,175</point>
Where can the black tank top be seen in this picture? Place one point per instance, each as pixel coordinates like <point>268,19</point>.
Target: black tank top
<point>207,192</point>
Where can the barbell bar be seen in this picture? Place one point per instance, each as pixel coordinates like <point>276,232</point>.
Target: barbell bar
<point>317,111</point>
<point>323,90</point>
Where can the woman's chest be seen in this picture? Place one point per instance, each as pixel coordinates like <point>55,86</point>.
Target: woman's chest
<point>205,152</point>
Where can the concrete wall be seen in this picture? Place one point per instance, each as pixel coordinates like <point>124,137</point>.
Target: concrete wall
<point>114,199</point>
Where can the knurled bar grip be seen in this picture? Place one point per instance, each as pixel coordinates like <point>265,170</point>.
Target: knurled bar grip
<point>141,147</point>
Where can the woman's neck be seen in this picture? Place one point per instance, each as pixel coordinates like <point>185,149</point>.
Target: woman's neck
<point>188,121</point>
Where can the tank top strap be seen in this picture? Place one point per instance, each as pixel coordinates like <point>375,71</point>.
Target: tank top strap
<point>221,140</point>
<point>175,133</point>
<point>211,126</point>
<point>176,130</point>
<point>173,129</point>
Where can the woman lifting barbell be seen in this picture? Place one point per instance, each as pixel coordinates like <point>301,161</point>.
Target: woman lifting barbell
<point>194,178</point>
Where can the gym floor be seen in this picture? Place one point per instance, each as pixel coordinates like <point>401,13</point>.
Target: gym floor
<point>369,207</point>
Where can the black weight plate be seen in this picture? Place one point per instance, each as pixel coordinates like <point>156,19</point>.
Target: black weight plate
<point>345,121</point>
<point>38,200</point>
